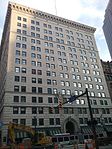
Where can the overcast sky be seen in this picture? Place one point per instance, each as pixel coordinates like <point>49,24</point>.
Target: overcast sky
<point>90,12</point>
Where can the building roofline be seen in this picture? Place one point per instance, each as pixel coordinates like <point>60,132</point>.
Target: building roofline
<point>47,16</point>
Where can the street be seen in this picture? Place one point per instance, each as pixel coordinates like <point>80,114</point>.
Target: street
<point>106,147</point>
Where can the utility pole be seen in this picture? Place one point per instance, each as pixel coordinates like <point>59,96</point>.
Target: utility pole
<point>92,120</point>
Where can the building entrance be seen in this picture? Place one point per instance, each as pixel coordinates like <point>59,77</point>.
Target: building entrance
<point>70,128</point>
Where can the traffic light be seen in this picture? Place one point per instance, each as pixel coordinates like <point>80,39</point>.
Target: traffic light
<point>51,110</point>
<point>60,104</point>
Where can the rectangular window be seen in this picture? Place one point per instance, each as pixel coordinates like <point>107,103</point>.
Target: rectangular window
<point>16,99</point>
<point>34,110</point>
<point>40,90</point>
<point>33,63</point>
<point>24,26</point>
<point>32,22</point>
<point>23,121</point>
<point>23,98</point>
<point>40,80</point>
<point>24,39</point>
<point>33,48</point>
<point>23,110</point>
<point>34,99</point>
<point>24,46</point>
<point>24,19</point>
<point>40,110</point>
<point>18,37</point>
<point>51,121</point>
<point>38,29</point>
<point>49,90</point>
<point>23,79</point>
<point>16,88</point>
<point>33,89</point>
<point>37,23</point>
<point>32,34</point>
<point>48,73</point>
<point>17,78</point>
<point>39,49</point>
<point>39,64</point>
<point>32,27</point>
<point>17,61</point>
<point>38,41</point>
<point>17,53</point>
<point>48,81</point>
<point>40,99</point>
<point>33,80</point>
<point>34,122</point>
<point>15,110</point>
<point>23,70</point>
<point>24,53</point>
<point>41,121</point>
<point>19,18</point>
<point>18,30</point>
<point>17,69</point>
<point>39,72</point>
<point>24,62</point>
<point>33,71</point>
<point>24,32</point>
<point>23,88</point>
<point>57,121</point>
<point>18,45</point>
<point>49,99</point>
<point>15,121</point>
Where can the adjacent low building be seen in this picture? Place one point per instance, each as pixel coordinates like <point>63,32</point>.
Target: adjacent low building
<point>44,59</point>
<point>107,68</point>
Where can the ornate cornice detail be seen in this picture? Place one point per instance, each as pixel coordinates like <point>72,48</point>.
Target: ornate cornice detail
<point>50,17</point>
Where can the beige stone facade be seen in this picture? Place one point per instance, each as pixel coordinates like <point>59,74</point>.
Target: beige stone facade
<point>43,55</point>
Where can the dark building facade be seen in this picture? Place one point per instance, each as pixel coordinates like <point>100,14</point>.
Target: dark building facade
<point>107,68</point>
<point>107,26</point>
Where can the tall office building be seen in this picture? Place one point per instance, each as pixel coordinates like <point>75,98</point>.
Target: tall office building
<point>44,59</point>
<point>107,26</point>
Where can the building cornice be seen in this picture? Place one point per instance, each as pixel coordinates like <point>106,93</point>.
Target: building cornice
<point>50,17</point>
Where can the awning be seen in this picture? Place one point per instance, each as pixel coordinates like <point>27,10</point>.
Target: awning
<point>50,130</point>
<point>88,130</point>
<point>109,128</point>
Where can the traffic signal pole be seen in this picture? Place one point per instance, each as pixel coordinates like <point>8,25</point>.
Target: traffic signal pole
<point>92,120</point>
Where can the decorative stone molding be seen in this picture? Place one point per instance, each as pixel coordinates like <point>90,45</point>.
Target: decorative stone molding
<point>50,17</point>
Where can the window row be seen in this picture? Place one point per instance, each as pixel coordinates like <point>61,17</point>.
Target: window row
<point>94,111</point>
<point>99,120</point>
<point>38,122</point>
<point>20,61</point>
<point>35,99</point>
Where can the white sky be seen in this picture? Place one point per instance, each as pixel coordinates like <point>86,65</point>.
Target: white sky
<point>90,12</point>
